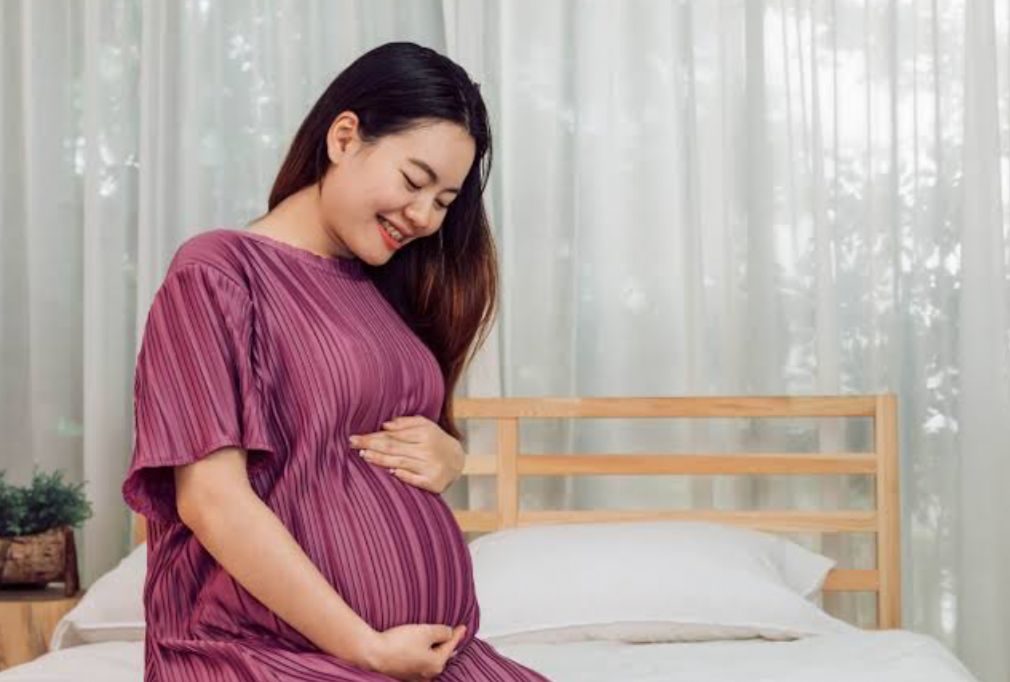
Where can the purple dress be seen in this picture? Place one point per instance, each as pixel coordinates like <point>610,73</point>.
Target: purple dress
<point>254,343</point>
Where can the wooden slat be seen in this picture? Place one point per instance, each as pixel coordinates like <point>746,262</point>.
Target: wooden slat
<point>480,465</point>
<point>644,464</point>
<point>889,516</point>
<point>476,521</point>
<point>730,406</point>
<point>852,580</point>
<point>696,464</point>
<point>772,520</point>
<point>508,476</point>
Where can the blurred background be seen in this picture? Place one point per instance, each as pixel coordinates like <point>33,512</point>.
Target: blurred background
<point>730,197</point>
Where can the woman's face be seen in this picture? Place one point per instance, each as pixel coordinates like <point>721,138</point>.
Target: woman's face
<point>406,181</point>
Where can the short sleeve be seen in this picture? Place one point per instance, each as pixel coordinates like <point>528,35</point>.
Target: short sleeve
<point>195,389</point>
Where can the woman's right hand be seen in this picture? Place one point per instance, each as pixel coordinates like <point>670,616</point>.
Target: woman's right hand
<point>415,653</point>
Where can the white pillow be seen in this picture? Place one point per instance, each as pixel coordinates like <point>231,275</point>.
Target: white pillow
<point>111,609</point>
<point>655,581</point>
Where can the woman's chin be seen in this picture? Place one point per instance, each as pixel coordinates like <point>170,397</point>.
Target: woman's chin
<point>374,256</point>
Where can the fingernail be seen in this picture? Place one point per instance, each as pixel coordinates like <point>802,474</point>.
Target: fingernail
<point>362,452</point>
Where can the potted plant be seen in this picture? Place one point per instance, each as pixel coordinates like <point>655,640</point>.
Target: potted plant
<point>36,531</point>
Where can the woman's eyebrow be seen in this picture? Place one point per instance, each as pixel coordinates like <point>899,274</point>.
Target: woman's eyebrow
<point>431,174</point>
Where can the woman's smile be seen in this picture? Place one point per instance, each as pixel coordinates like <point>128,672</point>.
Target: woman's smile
<point>391,240</point>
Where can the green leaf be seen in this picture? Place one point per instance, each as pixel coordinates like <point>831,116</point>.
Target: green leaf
<point>48,502</point>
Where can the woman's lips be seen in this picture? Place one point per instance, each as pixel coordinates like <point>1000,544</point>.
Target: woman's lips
<point>390,242</point>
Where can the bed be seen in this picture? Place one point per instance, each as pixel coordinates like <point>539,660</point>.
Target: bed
<point>636,595</point>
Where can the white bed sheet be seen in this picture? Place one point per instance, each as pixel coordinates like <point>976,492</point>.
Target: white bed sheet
<point>887,656</point>
<point>868,656</point>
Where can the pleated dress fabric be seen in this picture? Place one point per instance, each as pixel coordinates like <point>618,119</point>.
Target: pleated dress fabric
<point>255,343</point>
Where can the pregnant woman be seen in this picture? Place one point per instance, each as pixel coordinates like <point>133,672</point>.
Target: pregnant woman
<point>293,393</point>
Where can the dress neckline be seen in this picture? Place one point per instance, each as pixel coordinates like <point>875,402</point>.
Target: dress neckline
<point>350,267</point>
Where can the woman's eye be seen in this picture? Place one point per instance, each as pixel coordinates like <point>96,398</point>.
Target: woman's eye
<point>414,188</point>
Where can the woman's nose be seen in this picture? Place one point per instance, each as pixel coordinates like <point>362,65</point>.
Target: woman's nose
<point>420,219</point>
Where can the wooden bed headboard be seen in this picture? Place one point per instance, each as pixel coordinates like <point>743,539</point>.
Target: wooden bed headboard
<point>508,464</point>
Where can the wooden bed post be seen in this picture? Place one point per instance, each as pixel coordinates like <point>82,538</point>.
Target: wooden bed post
<point>888,512</point>
<point>508,472</point>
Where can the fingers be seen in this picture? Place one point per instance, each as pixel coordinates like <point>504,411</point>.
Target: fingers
<point>415,479</point>
<point>439,633</point>
<point>453,650</point>
<point>405,434</point>
<point>400,460</point>
<point>386,442</point>
<point>406,429</point>
<point>400,423</point>
<point>448,648</point>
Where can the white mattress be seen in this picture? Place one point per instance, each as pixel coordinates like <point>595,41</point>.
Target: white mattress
<point>887,656</point>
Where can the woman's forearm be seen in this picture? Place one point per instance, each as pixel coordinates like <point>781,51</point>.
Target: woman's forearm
<point>244,535</point>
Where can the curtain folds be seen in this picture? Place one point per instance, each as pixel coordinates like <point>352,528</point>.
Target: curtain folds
<point>754,197</point>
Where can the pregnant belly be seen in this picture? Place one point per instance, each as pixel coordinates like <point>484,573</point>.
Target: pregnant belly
<point>392,551</point>
<point>405,559</point>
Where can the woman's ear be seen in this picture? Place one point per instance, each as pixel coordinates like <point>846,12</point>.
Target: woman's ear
<point>342,135</point>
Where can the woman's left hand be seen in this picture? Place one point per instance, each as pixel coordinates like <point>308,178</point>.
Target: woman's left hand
<point>416,450</point>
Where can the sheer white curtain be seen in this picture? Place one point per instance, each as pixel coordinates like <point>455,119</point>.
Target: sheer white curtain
<point>721,197</point>
<point>127,127</point>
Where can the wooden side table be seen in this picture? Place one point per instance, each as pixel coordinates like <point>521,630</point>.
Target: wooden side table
<point>27,620</point>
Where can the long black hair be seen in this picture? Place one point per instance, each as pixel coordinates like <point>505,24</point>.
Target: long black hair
<point>444,286</point>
